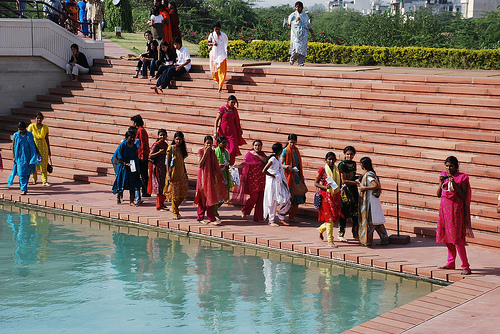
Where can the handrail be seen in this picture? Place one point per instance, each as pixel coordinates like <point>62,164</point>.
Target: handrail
<point>35,4</point>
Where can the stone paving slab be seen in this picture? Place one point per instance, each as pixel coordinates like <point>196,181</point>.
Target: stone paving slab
<point>470,301</point>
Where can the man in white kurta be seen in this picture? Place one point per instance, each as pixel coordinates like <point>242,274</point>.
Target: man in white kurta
<point>218,42</point>
<point>299,23</point>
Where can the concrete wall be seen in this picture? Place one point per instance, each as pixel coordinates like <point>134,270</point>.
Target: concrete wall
<point>23,78</point>
<point>33,54</point>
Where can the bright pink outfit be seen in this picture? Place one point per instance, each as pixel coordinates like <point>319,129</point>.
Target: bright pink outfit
<point>230,128</point>
<point>210,187</point>
<point>454,222</point>
<point>253,183</point>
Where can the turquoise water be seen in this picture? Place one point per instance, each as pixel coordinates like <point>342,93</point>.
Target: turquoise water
<point>62,274</point>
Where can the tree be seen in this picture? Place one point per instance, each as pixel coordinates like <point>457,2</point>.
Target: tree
<point>118,16</point>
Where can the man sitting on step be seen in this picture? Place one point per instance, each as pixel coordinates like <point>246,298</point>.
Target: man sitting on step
<point>182,66</point>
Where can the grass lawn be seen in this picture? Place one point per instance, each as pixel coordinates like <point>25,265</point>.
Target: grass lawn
<point>136,42</point>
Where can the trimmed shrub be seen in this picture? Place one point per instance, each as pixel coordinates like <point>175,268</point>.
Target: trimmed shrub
<point>327,53</point>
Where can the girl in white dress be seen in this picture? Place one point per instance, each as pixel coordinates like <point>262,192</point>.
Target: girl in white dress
<point>371,216</point>
<point>276,194</point>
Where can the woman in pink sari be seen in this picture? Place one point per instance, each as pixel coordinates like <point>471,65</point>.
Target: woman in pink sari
<point>454,222</point>
<point>252,182</point>
<point>210,188</point>
<point>227,124</point>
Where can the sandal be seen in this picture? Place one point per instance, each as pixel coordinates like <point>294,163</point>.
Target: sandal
<point>321,236</point>
<point>273,224</point>
<point>216,223</point>
<point>177,217</point>
<point>466,272</point>
<point>446,267</point>
<point>331,244</point>
<point>202,222</point>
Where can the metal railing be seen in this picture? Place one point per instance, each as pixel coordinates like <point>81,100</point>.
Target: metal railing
<point>36,8</point>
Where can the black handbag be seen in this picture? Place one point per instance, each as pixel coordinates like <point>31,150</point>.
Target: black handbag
<point>50,168</point>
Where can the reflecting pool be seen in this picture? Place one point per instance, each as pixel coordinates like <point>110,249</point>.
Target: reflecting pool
<point>62,274</point>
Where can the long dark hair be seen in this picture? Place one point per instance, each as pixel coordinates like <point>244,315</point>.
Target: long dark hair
<point>452,160</point>
<point>366,162</point>
<point>183,148</point>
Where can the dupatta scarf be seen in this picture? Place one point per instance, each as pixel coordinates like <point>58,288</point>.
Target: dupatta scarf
<point>251,177</point>
<point>23,164</point>
<point>453,195</point>
<point>364,214</point>
<point>155,168</point>
<point>222,110</point>
<point>210,188</point>
<point>290,160</point>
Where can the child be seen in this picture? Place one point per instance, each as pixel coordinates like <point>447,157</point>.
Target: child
<point>276,192</point>
<point>128,170</point>
<point>158,169</point>
<point>156,23</point>
<point>210,188</point>
<point>147,58</point>
<point>328,180</point>
<point>223,158</point>
<point>183,66</point>
<point>370,216</point>
<point>349,194</point>
<point>26,157</point>
<point>177,181</point>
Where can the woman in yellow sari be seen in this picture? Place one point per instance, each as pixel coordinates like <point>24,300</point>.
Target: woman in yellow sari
<point>177,186</point>
<point>41,135</point>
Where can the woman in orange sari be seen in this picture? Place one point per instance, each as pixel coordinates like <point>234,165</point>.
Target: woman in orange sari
<point>210,187</point>
<point>167,29</point>
<point>292,163</point>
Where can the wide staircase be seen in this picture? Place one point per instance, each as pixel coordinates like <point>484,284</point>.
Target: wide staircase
<point>407,124</point>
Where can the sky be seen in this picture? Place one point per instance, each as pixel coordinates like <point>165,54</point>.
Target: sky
<point>269,3</point>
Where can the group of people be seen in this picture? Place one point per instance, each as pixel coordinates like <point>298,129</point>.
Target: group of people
<point>87,12</point>
<point>274,184</point>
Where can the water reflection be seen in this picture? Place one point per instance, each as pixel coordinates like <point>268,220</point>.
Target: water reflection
<point>158,281</point>
<point>31,237</point>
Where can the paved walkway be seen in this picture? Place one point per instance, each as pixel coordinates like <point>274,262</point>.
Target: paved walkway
<point>114,50</point>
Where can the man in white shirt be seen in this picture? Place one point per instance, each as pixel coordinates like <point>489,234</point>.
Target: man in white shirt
<point>182,66</point>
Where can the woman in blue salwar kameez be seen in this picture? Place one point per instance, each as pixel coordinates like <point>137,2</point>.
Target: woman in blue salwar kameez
<point>26,157</point>
<point>128,160</point>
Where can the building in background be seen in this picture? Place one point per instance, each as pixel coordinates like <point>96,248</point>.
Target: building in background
<point>468,8</point>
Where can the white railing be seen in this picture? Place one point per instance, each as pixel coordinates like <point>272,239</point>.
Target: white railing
<point>44,38</point>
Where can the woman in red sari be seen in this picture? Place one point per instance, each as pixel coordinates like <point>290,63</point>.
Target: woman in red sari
<point>174,19</point>
<point>158,169</point>
<point>228,124</point>
<point>454,222</point>
<point>252,182</point>
<point>167,30</point>
<point>210,188</point>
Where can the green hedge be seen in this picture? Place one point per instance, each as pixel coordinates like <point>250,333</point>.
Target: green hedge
<point>326,53</point>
